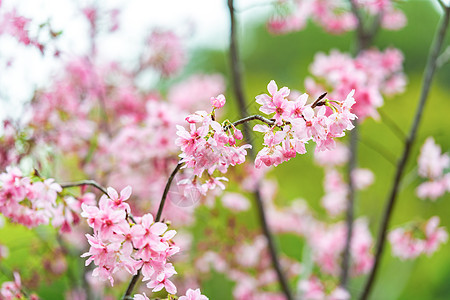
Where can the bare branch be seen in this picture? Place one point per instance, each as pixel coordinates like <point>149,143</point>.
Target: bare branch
<point>85,182</point>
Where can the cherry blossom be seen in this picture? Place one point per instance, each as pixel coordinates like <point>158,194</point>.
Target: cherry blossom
<point>166,52</point>
<point>431,166</point>
<point>209,147</point>
<point>193,295</point>
<point>12,289</point>
<point>32,201</point>
<point>407,244</point>
<point>122,243</point>
<point>371,74</point>
<point>297,122</point>
<point>334,16</point>
<point>235,202</point>
<point>313,289</point>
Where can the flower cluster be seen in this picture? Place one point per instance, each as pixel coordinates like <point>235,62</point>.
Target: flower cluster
<point>313,289</point>
<point>335,199</point>
<point>166,52</point>
<point>209,146</point>
<point>328,243</point>
<point>295,123</point>
<point>122,242</point>
<point>432,165</point>
<point>408,243</point>
<point>11,290</point>
<point>30,203</point>
<point>334,16</point>
<point>190,295</point>
<point>370,74</point>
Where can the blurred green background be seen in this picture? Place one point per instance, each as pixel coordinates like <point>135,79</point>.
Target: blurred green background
<point>286,59</point>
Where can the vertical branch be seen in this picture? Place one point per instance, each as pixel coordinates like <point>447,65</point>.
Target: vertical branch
<point>390,203</point>
<point>236,75</point>
<point>350,206</point>
<point>235,65</point>
<point>363,39</point>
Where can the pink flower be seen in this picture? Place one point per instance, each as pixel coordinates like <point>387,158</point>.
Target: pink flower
<point>335,157</point>
<point>118,202</point>
<point>434,235</point>
<point>276,103</point>
<point>335,199</point>
<point>313,289</point>
<point>141,297</point>
<point>160,280</point>
<point>236,202</point>
<point>12,289</point>
<point>433,189</point>
<point>431,162</point>
<point>192,93</point>
<point>167,53</point>
<point>362,178</point>
<point>193,295</point>
<point>219,101</point>
<point>406,246</point>
<point>297,123</point>
<point>431,166</point>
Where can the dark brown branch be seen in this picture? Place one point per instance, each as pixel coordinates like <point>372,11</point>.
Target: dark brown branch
<point>235,65</point>
<point>236,72</point>
<point>85,182</point>
<point>166,191</point>
<point>390,203</point>
<point>251,118</point>
<point>131,286</point>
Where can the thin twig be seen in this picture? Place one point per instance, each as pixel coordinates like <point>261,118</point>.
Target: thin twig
<point>235,65</point>
<point>429,73</point>
<point>85,182</point>
<point>166,191</point>
<point>251,118</point>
